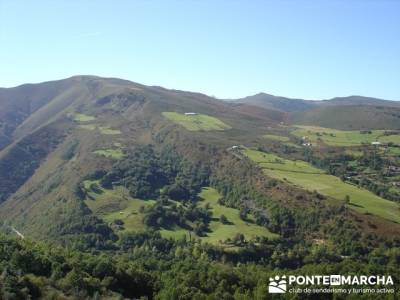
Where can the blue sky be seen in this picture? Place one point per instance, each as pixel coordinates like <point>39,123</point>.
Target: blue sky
<point>306,49</point>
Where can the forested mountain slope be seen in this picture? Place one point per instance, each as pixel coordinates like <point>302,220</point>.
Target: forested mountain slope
<point>159,193</point>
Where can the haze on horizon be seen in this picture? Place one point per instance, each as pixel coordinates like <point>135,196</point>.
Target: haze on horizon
<point>229,49</point>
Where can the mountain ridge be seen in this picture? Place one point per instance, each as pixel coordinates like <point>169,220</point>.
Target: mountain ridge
<point>298,105</point>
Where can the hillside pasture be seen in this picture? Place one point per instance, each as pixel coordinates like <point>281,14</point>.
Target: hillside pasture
<point>106,130</point>
<point>220,232</point>
<point>110,153</point>
<point>115,204</point>
<point>83,118</point>
<point>274,162</point>
<point>335,137</point>
<point>305,176</point>
<point>198,122</point>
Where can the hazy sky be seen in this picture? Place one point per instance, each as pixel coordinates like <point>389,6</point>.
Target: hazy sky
<point>309,49</point>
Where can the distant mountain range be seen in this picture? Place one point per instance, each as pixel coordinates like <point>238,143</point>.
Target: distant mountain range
<point>297,105</point>
<point>353,112</point>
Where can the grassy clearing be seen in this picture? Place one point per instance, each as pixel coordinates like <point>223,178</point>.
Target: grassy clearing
<point>274,162</point>
<point>299,174</point>
<point>176,233</point>
<point>83,118</point>
<point>86,118</point>
<point>102,129</point>
<point>108,130</point>
<point>394,150</point>
<point>395,139</point>
<point>130,215</point>
<point>277,138</point>
<point>196,122</point>
<point>336,137</point>
<point>221,232</point>
<point>111,153</point>
<point>116,204</point>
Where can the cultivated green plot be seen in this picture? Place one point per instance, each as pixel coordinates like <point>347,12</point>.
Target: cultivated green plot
<point>175,233</point>
<point>102,129</point>
<point>394,150</point>
<point>83,118</point>
<point>395,139</point>
<point>336,137</point>
<point>196,122</point>
<point>108,130</point>
<point>116,204</point>
<point>278,138</point>
<point>111,153</point>
<point>221,232</point>
<point>274,162</point>
<point>361,200</point>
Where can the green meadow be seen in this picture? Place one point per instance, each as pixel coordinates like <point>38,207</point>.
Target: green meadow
<point>304,175</point>
<point>111,153</point>
<point>196,122</point>
<point>116,204</point>
<point>102,129</point>
<point>108,130</point>
<point>83,118</point>
<point>221,232</point>
<point>394,150</point>
<point>274,162</point>
<point>336,137</point>
<point>395,139</point>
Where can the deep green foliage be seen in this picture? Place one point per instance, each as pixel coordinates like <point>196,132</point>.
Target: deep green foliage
<point>145,173</point>
<point>145,265</point>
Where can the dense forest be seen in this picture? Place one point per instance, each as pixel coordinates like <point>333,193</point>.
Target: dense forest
<point>149,267</point>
